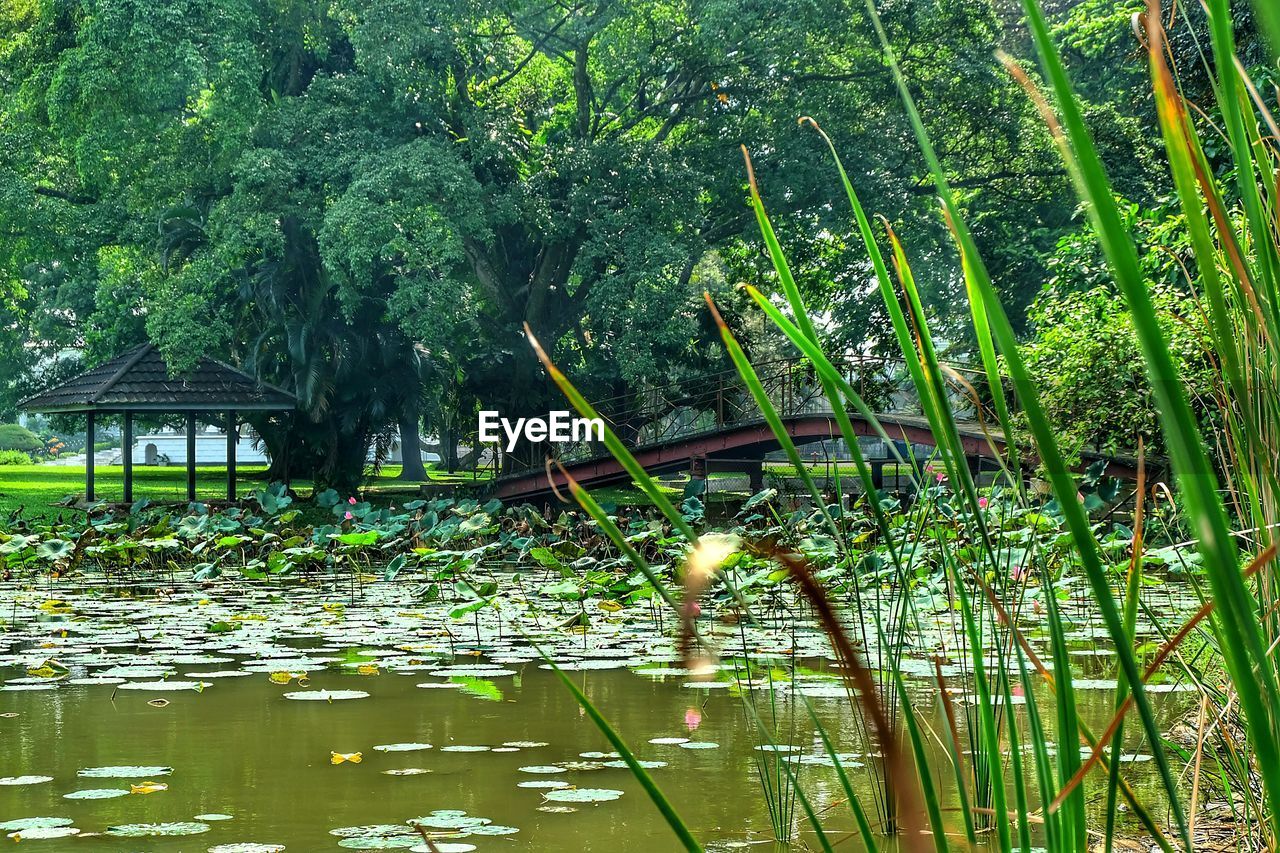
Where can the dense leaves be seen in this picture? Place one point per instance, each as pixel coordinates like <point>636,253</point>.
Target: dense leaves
<point>365,201</point>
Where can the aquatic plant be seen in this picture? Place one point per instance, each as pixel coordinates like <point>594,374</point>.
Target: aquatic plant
<point>1239,281</point>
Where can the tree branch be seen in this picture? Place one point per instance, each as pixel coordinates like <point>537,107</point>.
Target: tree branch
<point>50,192</point>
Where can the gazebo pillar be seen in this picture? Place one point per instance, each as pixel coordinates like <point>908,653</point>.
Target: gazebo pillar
<point>232,440</point>
<point>191,456</point>
<point>89,438</point>
<point>127,447</point>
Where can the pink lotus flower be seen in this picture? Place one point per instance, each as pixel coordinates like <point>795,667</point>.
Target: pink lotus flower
<point>348,516</point>
<point>982,503</point>
<point>940,477</point>
<point>351,501</point>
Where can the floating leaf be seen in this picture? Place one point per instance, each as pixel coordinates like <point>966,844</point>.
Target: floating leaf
<point>583,795</point>
<point>148,788</point>
<point>165,685</point>
<point>34,823</point>
<point>148,830</point>
<point>96,794</point>
<point>450,819</point>
<point>326,695</point>
<point>44,832</point>
<point>124,772</point>
<point>24,780</point>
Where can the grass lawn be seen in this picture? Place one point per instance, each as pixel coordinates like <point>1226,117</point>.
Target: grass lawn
<point>36,488</point>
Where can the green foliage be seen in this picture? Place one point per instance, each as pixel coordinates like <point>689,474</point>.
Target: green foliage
<point>17,437</point>
<point>14,457</point>
<point>1085,354</point>
<point>364,202</point>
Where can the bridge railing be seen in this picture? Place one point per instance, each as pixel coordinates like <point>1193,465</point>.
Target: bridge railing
<point>666,413</point>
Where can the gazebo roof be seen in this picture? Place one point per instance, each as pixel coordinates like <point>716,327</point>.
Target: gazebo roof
<point>140,381</point>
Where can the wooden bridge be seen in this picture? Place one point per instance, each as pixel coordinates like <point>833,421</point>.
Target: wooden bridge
<point>716,426</point>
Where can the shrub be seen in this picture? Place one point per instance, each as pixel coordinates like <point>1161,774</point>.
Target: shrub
<point>1086,356</point>
<point>14,457</point>
<point>16,437</point>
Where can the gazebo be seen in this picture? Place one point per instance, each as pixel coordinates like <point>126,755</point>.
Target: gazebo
<point>140,381</point>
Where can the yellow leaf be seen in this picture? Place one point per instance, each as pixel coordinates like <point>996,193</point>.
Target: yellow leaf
<point>367,669</point>
<point>340,757</point>
<point>148,788</point>
<point>609,606</point>
<point>280,677</point>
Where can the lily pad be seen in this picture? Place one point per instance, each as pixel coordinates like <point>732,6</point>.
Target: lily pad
<point>152,830</point>
<point>96,794</point>
<point>384,842</point>
<point>374,830</point>
<point>494,829</point>
<point>326,695</point>
<point>24,780</point>
<point>247,847</point>
<point>165,686</point>
<point>583,795</point>
<point>44,832</point>
<point>401,747</point>
<point>23,823</point>
<point>126,771</point>
<point>450,819</point>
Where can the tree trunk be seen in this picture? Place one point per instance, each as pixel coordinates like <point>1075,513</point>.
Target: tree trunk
<point>411,448</point>
<point>449,444</point>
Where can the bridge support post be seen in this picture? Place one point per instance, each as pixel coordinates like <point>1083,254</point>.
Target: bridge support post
<point>755,476</point>
<point>697,467</point>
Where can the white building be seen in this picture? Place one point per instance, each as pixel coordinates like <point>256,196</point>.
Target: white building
<point>169,447</point>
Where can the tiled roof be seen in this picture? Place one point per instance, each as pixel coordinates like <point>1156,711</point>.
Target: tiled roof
<point>139,380</point>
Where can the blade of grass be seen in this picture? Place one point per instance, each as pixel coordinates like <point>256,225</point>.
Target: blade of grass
<point>1243,648</point>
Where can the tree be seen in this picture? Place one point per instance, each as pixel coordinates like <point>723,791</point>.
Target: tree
<point>330,192</point>
<point>1085,355</point>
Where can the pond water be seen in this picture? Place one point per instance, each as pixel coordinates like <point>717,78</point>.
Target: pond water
<point>102,693</point>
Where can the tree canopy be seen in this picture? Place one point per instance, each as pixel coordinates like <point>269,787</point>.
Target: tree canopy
<point>366,200</point>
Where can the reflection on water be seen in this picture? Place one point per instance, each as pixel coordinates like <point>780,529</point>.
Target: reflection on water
<point>239,748</point>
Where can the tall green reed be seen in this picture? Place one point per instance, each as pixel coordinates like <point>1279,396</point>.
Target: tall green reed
<point>1238,269</point>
